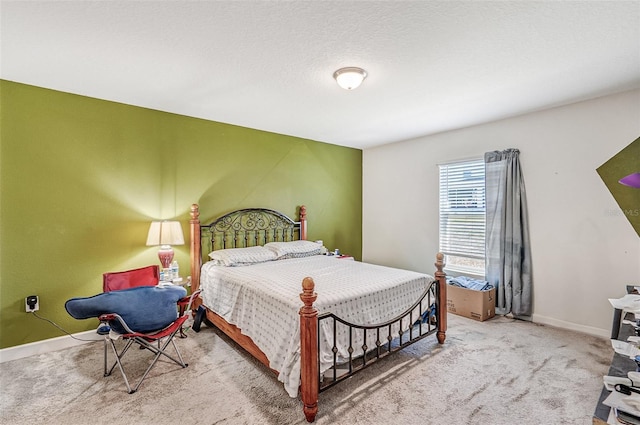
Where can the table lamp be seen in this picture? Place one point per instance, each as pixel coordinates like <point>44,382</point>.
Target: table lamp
<point>165,234</point>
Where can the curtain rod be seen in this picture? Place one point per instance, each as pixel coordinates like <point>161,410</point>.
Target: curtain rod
<point>456,161</point>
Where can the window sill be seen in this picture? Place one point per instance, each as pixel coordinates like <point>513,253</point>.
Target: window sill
<point>460,272</point>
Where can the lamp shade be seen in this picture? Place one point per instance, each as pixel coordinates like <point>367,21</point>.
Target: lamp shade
<point>165,233</point>
<point>350,77</point>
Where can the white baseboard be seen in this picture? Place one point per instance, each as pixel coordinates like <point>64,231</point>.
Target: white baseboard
<point>47,345</point>
<point>544,320</point>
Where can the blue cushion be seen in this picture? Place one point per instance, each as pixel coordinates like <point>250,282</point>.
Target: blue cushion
<point>144,308</point>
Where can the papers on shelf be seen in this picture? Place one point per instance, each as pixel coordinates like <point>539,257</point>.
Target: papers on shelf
<point>611,381</point>
<point>626,403</point>
<point>619,401</point>
<point>630,302</point>
<point>611,420</point>
<point>625,349</point>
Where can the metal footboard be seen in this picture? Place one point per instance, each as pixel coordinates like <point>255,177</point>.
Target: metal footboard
<point>420,325</point>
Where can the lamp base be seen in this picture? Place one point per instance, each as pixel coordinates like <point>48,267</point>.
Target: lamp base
<point>165,254</point>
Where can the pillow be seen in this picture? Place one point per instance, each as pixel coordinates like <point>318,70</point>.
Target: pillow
<point>242,256</point>
<point>144,308</point>
<point>294,249</point>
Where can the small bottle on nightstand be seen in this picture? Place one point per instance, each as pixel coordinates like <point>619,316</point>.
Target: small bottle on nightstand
<point>175,270</point>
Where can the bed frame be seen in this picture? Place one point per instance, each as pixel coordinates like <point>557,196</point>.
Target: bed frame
<point>257,226</point>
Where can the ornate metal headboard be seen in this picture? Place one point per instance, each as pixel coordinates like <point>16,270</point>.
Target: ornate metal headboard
<point>250,227</point>
<point>241,228</point>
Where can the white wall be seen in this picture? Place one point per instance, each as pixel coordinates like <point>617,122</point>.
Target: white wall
<point>584,250</point>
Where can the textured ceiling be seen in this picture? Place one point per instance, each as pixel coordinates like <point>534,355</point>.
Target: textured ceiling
<point>433,66</point>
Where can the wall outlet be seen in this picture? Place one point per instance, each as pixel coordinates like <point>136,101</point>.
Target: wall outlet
<point>32,303</point>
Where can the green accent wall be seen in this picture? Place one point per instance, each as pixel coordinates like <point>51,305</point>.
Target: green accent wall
<point>82,178</point>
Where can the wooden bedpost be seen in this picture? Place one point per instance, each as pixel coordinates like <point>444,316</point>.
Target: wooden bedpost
<point>441,277</point>
<point>195,251</point>
<point>303,222</point>
<point>309,368</point>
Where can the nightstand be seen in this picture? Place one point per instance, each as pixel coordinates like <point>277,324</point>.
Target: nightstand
<point>344,257</point>
<point>181,281</point>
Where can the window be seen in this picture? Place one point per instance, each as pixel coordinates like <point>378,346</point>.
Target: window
<point>462,216</point>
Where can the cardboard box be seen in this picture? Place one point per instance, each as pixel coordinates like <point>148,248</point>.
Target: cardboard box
<point>477,305</point>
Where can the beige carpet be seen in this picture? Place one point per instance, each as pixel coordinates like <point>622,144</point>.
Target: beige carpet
<point>496,372</point>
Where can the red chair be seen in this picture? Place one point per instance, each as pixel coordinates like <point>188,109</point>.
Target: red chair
<point>161,337</point>
<point>149,310</point>
<point>144,276</point>
<point>115,281</point>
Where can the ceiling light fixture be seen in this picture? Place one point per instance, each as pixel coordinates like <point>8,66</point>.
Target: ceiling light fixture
<point>350,77</point>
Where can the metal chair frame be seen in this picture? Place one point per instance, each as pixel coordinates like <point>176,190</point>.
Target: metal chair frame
<point>146,340</point>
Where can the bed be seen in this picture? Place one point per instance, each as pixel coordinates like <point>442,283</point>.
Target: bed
<point>259,277</point>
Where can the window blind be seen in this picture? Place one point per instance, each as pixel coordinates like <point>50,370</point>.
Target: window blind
<point>462,209</point>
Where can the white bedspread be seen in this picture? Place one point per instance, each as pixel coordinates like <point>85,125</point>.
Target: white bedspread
<point>263,300</point>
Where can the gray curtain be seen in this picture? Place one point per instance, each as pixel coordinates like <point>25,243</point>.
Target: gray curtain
<point>508,251</point>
